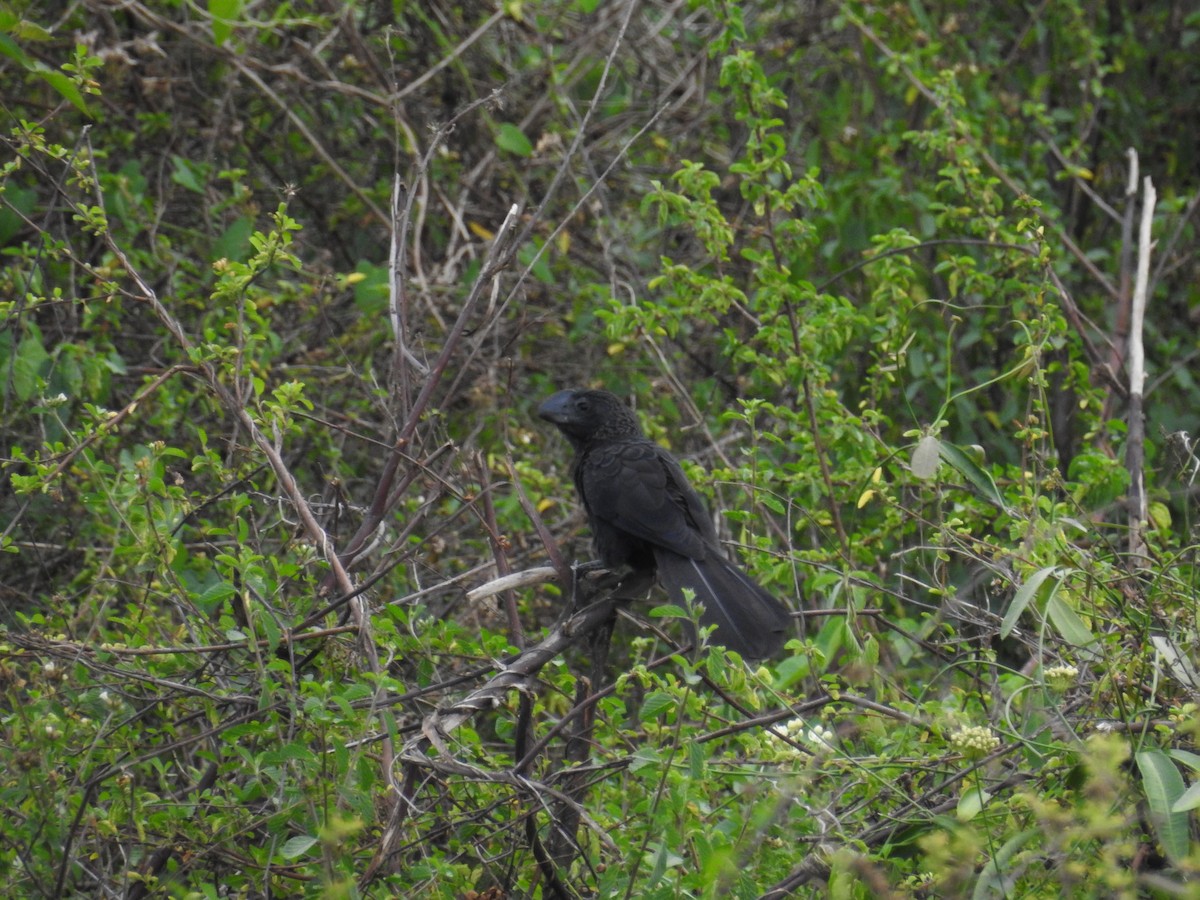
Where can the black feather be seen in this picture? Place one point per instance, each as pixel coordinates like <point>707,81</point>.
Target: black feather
<point>646,516</point>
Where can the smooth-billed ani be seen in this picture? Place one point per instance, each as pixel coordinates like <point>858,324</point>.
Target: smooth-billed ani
<point>645,515</point>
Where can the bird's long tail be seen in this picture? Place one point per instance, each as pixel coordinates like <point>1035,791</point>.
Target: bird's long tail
<point>748,619</point>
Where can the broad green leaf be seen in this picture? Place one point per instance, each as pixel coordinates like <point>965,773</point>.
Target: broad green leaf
<point>28,366</point>
<point>773,503</point>
<point>660,865</point>
<point>270,631</point>
<point>65,86</point>
<point>971,803</point>
<point>512,139</point>
<point>225,14</point>
<point>60,81</point>
<point>1189,801</point>
<point>187,174</point>
<point>792,669</point>
<point>234,242</point>
<point>971,471</point>
<point>22,202</point>
<point>1025,594</point>
<point>287,753</point>
<point>215,593</point>
<point>1189,759</point>
<point>1164,788</point>
<point>1160,515</point>
<point>115,364</point>
<point>698,761</point>
<point>11,23</point>
<point>1067,622</point>
<point>11,49</point>
<point>644,757</point>
<point>541,268</point>
<point>372,293</point>
<point>357,691</point>
<point>655,704</point>
<point>296,846</point>
<point>831,637</point>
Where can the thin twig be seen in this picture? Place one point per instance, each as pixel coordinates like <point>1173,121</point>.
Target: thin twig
<point>517,674</point>
<point>313,140</point>
<point>965,133</point>
<point>1135,448</point>
<point>539,525</point>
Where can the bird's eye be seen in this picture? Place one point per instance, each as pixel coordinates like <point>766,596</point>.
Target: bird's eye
<point>582,405</point>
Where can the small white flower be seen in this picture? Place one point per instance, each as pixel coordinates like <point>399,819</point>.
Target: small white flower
<point>819,737</point>
<point>1061,677</point>
<point>974,740</point>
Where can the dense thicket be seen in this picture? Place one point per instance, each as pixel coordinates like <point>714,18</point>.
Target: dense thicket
<point>912,288</point>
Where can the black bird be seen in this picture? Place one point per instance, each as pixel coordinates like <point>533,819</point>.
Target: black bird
<point>645,515</point>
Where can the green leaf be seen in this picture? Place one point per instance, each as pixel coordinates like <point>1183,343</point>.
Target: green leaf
<point>541,267</point>
<point>1160,515</point>
<point>831,637</point>
<point>22,202</point>
<point>512,139</point>
<point>1067,622</point>
<point>971,803</point>
<point>792,669</point>
<point>234,242</point>
<point>1024,596</point>
<point>67,376</point>
<point>28,366</point>
<point>1164,788</point>
<point>699,761</point>
<point>214,594</point>
<point>1188,801</point>
<point>773,503</point>
<point>188,174</point>
<point>65,86</point>
<point>643,758</point>
<point>1189,759</point>
<point>225,14</point>
<point>970,470</point>
<point>270,631</point>
<point>297,846</point>
<point>115,364</point>
<point>373,293</point>
<point>60,81</point>
<point>287,753</point>
<point>357,692</point>
<point>992,879</point>
<point>11,49</point>
<point>654,705</point>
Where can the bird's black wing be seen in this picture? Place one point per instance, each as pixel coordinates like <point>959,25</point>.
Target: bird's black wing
<point>636,488</point>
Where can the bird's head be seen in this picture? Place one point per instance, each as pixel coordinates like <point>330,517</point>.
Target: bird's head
<point>589,415</point>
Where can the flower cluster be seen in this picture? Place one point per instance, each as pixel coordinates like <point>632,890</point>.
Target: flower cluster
<point>1061,677</point>
<point>974,740</point>
<point>816,737</point>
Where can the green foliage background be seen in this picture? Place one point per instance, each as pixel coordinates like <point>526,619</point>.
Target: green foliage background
<point>280,288</point>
